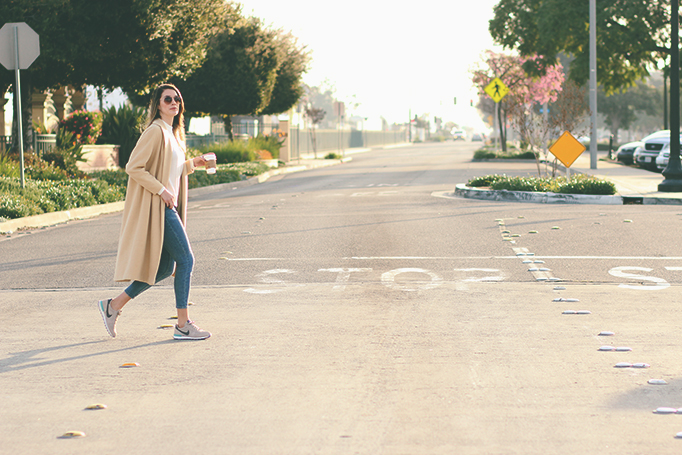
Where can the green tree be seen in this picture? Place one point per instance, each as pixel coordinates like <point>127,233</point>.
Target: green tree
<point>632,36</point>
<point>621,108</point>
<point>132,44</point>
<point>288,89</point>
<point>239,73</point>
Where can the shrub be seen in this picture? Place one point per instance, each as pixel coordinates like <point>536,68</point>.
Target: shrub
<point>484,154</point>
<point>522,184</point>
<point>114,177</point>
<point>122,126</point>
<point>585,184</point>
<point>200,178</point>
<point>85,126</point>
<point>332,156</point>
<point>48,196</point>
<point>67,154</point>
<point>272,143</point>
<point>44,170</point>
<point>485,180</point>
<point>230,152</point>
<point>9,167</point>
<point>579,184</point>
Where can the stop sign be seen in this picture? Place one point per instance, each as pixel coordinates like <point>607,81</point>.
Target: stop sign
<point>29,45</point>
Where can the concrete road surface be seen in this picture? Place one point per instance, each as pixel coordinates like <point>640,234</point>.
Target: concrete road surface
<point>353,312</point>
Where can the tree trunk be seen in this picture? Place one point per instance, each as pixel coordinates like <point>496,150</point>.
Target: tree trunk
<point>25,119</point>
<point>313,139</point>
<point>227,120</point>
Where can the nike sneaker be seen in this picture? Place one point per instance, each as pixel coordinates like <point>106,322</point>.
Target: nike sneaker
<point>108,315</point>
<point>190,332</point>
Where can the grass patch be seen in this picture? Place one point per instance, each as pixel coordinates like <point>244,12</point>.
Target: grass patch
<point>579,184</point>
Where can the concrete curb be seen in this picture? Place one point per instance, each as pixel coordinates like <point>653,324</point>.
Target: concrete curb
<point>54,218</point>
<point>50,219</point>
<point>464,191</point>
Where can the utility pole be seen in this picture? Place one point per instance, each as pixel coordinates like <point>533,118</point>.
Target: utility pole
<point>593,83</point>
<point>673,172</point>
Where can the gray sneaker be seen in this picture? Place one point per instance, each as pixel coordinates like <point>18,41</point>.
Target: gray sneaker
<point>190,332</point>
<point>108,315</point>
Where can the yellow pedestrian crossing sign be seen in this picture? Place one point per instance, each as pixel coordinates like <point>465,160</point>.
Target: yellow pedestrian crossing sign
<point>496,89</point>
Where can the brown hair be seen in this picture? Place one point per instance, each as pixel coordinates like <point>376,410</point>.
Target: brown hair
<point>153,111</point>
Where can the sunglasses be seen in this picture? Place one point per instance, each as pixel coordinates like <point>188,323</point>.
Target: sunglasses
<point>169,100</point>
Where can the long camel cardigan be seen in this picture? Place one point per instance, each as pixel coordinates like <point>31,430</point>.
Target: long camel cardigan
<point>141,240</point>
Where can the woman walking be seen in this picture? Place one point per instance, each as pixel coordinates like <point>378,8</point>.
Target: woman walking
<point>153,240</point>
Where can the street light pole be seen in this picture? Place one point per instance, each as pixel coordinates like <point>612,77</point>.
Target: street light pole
<point>673,171</point>
<point>593,83</point>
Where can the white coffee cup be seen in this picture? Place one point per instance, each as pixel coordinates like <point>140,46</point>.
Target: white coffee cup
<point>210,163</point>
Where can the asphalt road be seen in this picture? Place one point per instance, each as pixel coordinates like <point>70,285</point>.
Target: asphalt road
<point>354,311</point>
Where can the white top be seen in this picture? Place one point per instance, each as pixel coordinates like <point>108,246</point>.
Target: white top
<point>177,162</point>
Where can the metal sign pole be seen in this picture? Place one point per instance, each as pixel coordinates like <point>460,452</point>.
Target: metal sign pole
<point>17,97</point>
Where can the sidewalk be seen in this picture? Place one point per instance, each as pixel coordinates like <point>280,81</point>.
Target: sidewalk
<point>634,184</point>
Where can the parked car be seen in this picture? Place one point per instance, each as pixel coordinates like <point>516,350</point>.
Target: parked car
<point>663,157</point>
<point>645,156</point>
<point>459,135</point>
<point>476,137</point>
<point>625,152</point>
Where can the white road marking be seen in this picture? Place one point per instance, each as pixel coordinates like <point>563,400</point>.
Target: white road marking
<point>388,278</point>
<point>621,273</point>
<point>343,276</point>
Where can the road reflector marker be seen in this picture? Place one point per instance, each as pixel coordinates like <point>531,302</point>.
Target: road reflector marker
<point>657,382</point>
<point>130,365</point>
<point>516,235</point>
<point>640,365</point>
<point>173,317</point>
<point>583,312</point>
<point>96,406</point>
<point>527,261</point>
<point>562,299</point>
<point>544,269</point>
<point>622,365</point>
<point>607,348</point>
<point>559,288</point>
<point>606,334</point>
<point>627,221</point>
<point>568,312</point>
<point>506,231</point>
<point>623,349</point>
<point>532,232</point>
<point>556,228</point>
<point>665,410</point>
<point>72,434</point>
<point>521,217</point>
<point>553,278</point>
<point>541,278</point>
<point>165,326</point>
<point>679,435</point>
<point>538,261</point>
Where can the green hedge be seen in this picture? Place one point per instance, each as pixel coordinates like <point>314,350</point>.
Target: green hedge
<point>484,154</point>
<point>579,184</point>
<point>49,196</point>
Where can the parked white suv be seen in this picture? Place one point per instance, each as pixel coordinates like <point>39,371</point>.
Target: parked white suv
<point>646,155</point>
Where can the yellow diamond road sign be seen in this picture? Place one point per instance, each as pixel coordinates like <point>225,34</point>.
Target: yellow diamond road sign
<point>567,149</point>
<point>496,89</point>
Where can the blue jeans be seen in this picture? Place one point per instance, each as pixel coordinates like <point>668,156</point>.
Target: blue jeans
<point>176,251</point>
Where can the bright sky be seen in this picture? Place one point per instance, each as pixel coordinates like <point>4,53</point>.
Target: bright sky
<point>393,57</point>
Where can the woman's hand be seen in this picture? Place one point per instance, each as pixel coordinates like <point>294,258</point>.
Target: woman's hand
<point>199,161</point>
<point>168,199</point>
